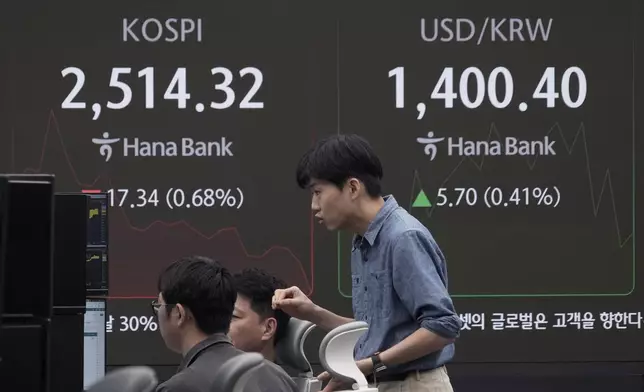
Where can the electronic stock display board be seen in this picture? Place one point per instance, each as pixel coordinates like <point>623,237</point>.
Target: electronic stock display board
<point>508,128</point>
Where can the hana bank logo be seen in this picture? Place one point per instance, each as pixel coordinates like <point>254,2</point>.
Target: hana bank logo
<point>106,145</point>
<point>430,144</point>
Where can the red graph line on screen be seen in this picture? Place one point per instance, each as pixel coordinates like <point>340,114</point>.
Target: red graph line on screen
<point>235,231</point>
<point>52,121</point>
<point>52,124</point>
<point>607,183</point>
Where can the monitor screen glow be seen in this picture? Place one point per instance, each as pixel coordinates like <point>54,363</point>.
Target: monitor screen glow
<point>94,342</point>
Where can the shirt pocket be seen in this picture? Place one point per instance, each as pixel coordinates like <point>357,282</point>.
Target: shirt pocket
<point>358,298</point>
<point>380,293</point>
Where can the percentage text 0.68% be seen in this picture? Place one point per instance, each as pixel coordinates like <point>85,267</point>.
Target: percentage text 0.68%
<point>173,198</point>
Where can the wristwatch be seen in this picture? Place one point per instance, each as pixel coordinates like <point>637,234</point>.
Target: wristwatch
<point>378,366</point>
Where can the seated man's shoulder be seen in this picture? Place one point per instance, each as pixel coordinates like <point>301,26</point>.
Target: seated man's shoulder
<point>180,382</point>
<point>199,377</point>
<point>276,369</point>
<point>270,378</point>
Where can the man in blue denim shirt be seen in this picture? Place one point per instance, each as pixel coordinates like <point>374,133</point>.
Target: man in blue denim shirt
<point>399,275</point>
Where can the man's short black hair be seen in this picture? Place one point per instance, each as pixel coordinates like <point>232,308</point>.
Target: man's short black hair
<point>338,158</point>
<point>203,286</point>
<point>258,287</point>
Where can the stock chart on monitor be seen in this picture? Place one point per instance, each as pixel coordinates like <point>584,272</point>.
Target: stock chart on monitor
<point>507,128</point>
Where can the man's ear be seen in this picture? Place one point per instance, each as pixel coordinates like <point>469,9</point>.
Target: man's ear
<point>354,186</point>
<point>270,328</point>
<point>182,313</point>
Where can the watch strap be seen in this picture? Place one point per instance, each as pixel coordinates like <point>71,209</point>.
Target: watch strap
<point>378,366</point>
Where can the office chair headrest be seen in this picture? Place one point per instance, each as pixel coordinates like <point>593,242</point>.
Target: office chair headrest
<point>129,379</point>
<point>336,352</point>
<point>290,349</point>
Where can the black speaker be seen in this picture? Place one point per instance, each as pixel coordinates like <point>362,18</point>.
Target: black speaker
<point>66,359</point>
<point>28,279</point>
<point>24,366</point>
<point>28,269</point>
<point>70,242</point>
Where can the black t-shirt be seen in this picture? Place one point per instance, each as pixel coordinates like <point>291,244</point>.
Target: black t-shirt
<point>197,372</point>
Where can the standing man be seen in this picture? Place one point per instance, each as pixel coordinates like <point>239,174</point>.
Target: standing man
<point>398,272</point>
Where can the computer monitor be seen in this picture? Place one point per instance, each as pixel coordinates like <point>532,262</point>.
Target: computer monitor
<point>96,271</point>
<point>3,248</point>
<point>97,220</point>
<point>3,242</point>
<point>96,266</point>
<point>94,342</point>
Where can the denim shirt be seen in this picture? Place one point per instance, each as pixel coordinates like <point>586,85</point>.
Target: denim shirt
<point>399,284</point>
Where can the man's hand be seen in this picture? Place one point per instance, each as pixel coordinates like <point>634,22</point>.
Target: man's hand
<point>365,366</point>
<point>324,377</point>
<point>294,303</point>
<point>334,384</point>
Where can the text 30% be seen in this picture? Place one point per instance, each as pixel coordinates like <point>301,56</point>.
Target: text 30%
<point>136,323</point>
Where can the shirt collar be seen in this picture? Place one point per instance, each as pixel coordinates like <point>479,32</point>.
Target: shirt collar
<point>198,348</point>
<point>376,224</point>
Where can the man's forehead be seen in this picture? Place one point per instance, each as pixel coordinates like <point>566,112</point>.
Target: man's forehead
<point>242,304</point>
<point>239,309</point>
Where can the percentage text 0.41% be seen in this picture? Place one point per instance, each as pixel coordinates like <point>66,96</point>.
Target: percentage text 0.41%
<point>493,197</point>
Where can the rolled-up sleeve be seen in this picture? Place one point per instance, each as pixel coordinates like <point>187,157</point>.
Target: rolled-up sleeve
<point>420,280</point>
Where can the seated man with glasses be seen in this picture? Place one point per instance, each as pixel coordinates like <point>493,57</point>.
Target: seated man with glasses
<point>256,326</point>
<point>194,310</point>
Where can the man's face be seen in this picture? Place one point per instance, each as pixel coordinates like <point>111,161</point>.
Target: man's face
<point>331,205</point>
<point>167,317</point>
<point>247,329</point>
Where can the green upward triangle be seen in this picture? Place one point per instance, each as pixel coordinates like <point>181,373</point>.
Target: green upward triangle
<point>422,200</point>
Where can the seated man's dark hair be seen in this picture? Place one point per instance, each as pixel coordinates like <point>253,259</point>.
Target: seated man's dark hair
<point>258,287</point>
<point>203,286</point>
<point>338,158</point>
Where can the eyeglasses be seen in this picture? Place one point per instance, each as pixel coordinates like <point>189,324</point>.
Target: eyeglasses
<point>156,305</point>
